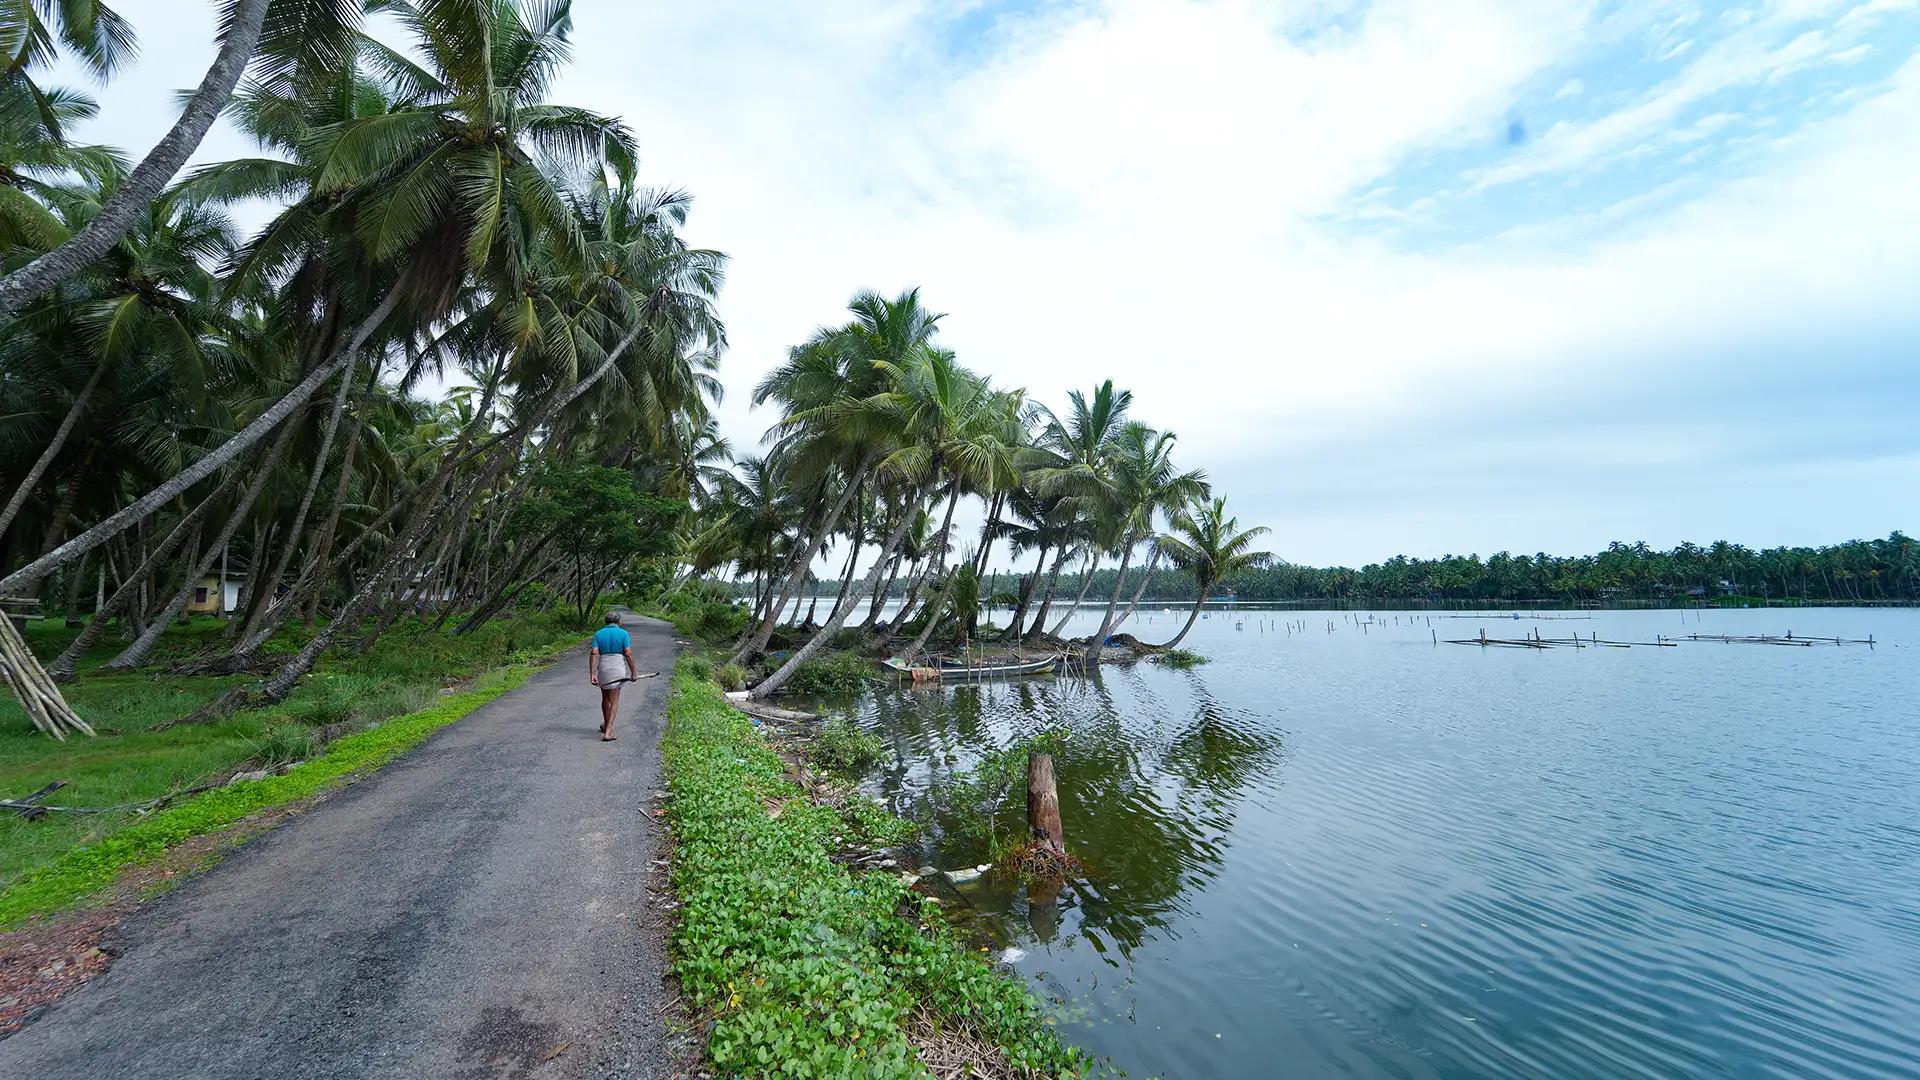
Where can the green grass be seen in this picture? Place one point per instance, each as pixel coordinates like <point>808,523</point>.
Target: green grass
<point>808,969</point>
<point>131,762</point>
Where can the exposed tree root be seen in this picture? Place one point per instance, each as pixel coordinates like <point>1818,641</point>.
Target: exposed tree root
<point>1039,862</point>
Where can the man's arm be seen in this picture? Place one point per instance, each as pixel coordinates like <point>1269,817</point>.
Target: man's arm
<point>593,664</point>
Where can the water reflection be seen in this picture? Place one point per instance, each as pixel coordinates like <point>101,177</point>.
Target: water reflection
<point>1150,782</point>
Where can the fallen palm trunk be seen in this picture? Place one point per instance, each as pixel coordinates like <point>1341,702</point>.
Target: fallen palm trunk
<point>760,710</point>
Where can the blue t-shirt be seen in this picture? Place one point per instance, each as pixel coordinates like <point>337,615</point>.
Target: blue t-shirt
<point>611,639</point>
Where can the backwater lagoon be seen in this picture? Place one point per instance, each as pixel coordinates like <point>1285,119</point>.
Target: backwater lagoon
<point>1343,848</point>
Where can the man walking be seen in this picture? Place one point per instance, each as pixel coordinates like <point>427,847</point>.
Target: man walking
<point>610,667</point>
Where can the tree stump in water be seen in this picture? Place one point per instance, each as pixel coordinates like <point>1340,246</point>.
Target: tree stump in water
<point>1043,805</point>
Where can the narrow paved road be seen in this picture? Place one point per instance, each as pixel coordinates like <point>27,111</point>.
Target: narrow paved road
<point>464,913</point>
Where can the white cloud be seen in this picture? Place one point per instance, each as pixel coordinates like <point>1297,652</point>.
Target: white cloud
<point>1762,52</point>
<point>1174,197</point>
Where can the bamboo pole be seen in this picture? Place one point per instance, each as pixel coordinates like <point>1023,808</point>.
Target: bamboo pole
<point>37,693</point>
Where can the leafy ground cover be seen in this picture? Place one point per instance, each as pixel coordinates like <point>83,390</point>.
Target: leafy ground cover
<point>135,759</point>
<point>809,969</point>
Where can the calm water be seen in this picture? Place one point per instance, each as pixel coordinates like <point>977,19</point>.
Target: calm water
<point>1358,853</point>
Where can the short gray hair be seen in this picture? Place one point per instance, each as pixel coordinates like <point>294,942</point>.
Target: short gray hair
<point>613,616</point>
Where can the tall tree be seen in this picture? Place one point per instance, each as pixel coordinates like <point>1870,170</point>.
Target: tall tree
<point>1208,544</point>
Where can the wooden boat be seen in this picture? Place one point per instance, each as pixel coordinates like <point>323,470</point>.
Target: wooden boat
<point>942,670</point>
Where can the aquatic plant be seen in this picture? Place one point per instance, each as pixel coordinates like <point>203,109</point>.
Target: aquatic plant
<point>835,674</point>
<point>840,747</point>
<point>1179,659</point>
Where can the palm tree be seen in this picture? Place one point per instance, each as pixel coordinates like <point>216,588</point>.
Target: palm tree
<point>455,185</point>
<point>925,415</point>
<point>295,38</point>
<point>1138,482</point>
<point>125,346</point>
<point>825,390</point>
<point>983,433</point>
<point>1209,545</point>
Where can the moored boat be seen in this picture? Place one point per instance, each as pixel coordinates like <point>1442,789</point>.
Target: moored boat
<point>944,670</point>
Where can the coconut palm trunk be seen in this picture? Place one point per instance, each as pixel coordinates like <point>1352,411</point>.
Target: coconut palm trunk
<point>241,440</point>
<point>62,667</point>
<point>1019,616</point>
<point>1085,584</point>
<point>989,532</point>
<point>136,654</point>
<point>500,598</point>
<point>320,565</point>
<point>880,597</point>
<point>398,553</point>
<point>135,194</point>
<point>1146,579</point>
<point>935,606</point>
<point>838,619</point>
<point>764,632</point>
<point>1097,642</point>
<point>1193,616</point>
<point>53,448</point>
<point>297,531</point>
<point>1046,596</point>
<point>916,581</point>
<point>853,559</point>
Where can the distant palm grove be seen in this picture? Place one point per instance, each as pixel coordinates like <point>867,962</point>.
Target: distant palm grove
<point>1858,571</point>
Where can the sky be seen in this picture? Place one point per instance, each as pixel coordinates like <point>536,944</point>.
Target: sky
<point>1421,276</point>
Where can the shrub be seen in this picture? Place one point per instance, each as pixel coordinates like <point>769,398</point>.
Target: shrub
<point>1179,659</point>
<point>836,674</point>
<point>730,677</point>
<point>841,747</point>
<point>284,744</point>
<point>699,667</point>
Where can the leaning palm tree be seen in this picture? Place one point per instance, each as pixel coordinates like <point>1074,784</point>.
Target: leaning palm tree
<point>285,41</point>
<point>983,436</point>
<point>456,187</point>
<point>827,425</point>
<point>1138,482</point>
<point>1209,546</point>
<point>925,413</point>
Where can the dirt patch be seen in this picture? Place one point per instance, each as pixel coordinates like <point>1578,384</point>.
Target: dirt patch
<point>48,956</point>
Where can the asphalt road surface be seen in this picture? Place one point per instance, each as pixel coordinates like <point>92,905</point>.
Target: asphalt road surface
<point>465,912</point>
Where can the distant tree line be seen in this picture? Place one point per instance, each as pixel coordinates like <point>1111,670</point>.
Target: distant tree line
<point>1855,571</point>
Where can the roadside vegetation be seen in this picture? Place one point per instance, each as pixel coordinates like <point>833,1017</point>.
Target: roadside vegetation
<point>806,968</point>
<point>190,412</point>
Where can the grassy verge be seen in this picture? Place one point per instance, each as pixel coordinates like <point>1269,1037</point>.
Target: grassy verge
<point>132,762</point>
<point>808,969</point>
